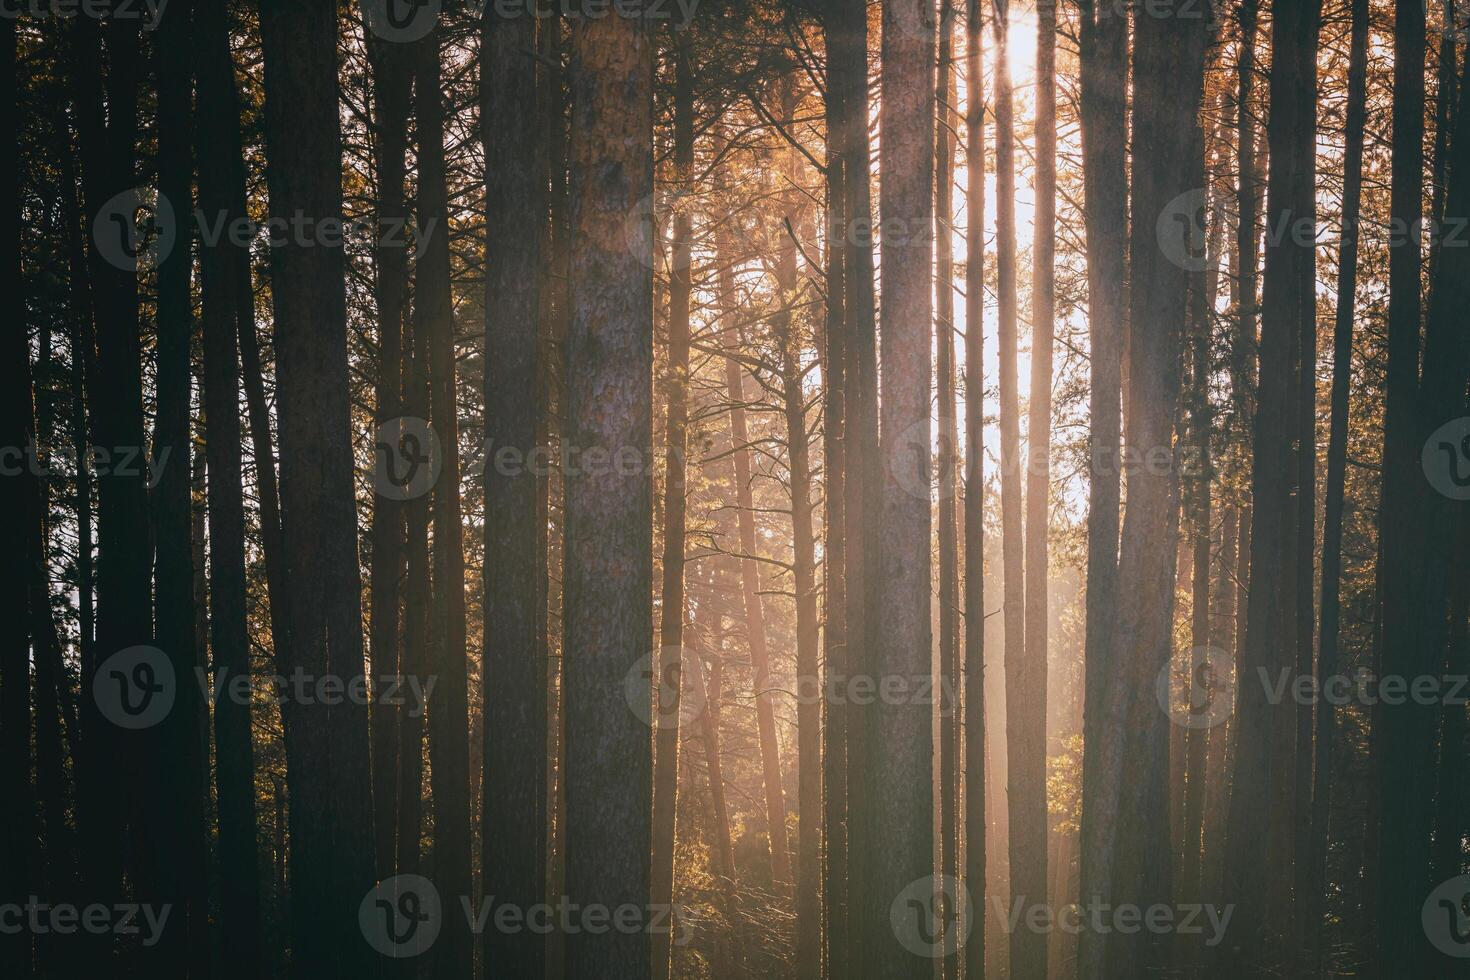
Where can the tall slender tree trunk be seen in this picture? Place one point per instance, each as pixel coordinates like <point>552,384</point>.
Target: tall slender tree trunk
<point>1441,400</point>
<point>1019,678</point>
<point>609,512</point>
<point>328,769</point>
<point>862,485</point>
<point>900,792</point>
<point>1104,107</point>
<point>1196,404</point>
<point>948,435</point>
<point>669,680</point>
<point>515,675</point>
<point>392,77</point>
<point>448,704</point>
<point>224,270</point>
<point>1403,818</point>
<point>413,657</point>
<point>18,487</point>
<point>1261,805</point>
<point>1029,836</point>
<point>183,883</point>
<point>1130,797</point>
<point>835,551</point>
<point>973,700</point>
<point>1342,371</point>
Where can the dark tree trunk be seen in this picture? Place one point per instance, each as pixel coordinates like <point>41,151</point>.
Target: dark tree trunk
<point>1342,372</point>
<point>19,487</point>
<point>834,566</point>
<point>448,703</point>
<point>848,37</point>
<point>900,792</point>
<point>514,673</point>
<point>224,273</point>
<point>327,754</point>
<point>1104,106</point>
<point>392,78</point>
<point>1403,734</point>
<point>181,807</point>
<point>670,657</point>
<point>1441,402</point>
<point>1129,800</point>
<point>1262,800</point>
<point>608,572</point>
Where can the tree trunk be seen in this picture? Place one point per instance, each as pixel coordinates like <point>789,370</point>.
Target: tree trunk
<point>948,437</point>
<point>448,704</point>
<point>1130,800</point>
<point>609,511</point>
<point>1029,837</point>
<point>328,771</point>
<point>973,701</point>
<point>221,190</point>
<point>862,483</point>
<point>19,487</point>
<point>181,809</point>
<point>902,777</point>
<point>1441,404</point>
<point>671,624</point>
<point>1104,106</point>
<point>392,77</point>
<point>834,566</point>
<point>1261,806</point>
<point>1342,370</point>
<point>515,675</point>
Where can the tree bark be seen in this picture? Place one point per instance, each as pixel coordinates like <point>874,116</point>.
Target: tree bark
<point>1131,805</point>
<point>514,850</point>
<point>18,488</point>
<point>671,656</point>
<point>609,512</point>
<point>1104,107</point>
<point>1029,836</point>
<point>1262,809</point>
<point>448,703</point>
<point>221,190</point>
<point>835,551</point>
<point>328,771</point>
<point>973,700</point>
<point>900,792</point>
<point>948,437</point>
<point>392,78</point>
<point>1342,370</point>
